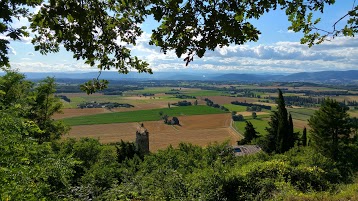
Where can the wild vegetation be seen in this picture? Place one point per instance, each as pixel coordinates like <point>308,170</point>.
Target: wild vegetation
<point>295,166</point>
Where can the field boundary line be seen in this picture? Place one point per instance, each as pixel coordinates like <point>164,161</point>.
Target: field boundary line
<point>237,132</point>
<point>175,128</point>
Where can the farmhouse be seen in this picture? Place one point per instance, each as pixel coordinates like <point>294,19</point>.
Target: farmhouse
<point>246,150</point>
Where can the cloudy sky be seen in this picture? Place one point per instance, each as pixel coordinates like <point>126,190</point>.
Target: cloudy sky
<point>277,51</point>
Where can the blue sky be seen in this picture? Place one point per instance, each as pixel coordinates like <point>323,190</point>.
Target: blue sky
<point>277,51</point>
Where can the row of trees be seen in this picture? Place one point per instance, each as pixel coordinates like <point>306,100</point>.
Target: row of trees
<point>267,107</point>
<point>165,117</point>
<point>302,101</point>
<point>215,105</point>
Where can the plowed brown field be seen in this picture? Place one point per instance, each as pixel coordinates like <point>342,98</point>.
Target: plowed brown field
<point>79,112</point>
<point>199,130</point>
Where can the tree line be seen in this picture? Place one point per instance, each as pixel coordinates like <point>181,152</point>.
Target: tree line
<point>267,107</point>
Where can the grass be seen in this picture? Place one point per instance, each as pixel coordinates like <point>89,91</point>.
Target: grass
<point>140,115</point>
<point>301,113</point>
<point>353,113</point>
<point>237,108</point>
<point>259,124</point>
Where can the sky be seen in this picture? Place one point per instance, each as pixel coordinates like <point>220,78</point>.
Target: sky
<point>278,51</point>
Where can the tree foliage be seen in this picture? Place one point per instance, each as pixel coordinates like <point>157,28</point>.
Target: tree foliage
<point>95,30</point>
<point>280,137</point>
<point>29,170</point>
<point>43,105</point>
<point>330,129</point>
<point>34,103</point>
<point>304,137</point>
<point>14,89</point>
<point>10,11</point>
<point>249,134</point>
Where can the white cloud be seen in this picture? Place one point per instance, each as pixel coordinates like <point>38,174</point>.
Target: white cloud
<point>26,40</point>
<point>279,57</point>
<point>288,57</point>
<point>290,31</point>
<point>27,66</point>
<point>12,50</point>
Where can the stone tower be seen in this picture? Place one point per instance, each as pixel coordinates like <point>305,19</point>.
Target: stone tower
<point>142,139</point>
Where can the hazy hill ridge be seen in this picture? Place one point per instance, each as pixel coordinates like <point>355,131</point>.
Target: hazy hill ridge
<point>322,76</point>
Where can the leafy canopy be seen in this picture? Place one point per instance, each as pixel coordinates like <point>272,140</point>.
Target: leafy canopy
<point>330,129</point>
<point>99,32</point>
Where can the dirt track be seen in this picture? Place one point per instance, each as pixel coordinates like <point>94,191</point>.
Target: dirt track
<point>199,129</point>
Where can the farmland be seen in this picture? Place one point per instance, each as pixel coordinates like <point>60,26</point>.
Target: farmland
<point>199,129</point>
<point>200,124</point>
<point>140,115</point>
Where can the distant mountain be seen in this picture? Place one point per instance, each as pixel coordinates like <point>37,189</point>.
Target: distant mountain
<point>323,76</point>
<point>350,76</point>
<point>315,77</point>
<point>246,77</point>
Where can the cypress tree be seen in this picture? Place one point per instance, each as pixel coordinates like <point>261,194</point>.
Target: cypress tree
<point>304,137</point>
<point>250,132</point>
<point>283,125</point>
<point>280,136</point>
<point>290,137</point>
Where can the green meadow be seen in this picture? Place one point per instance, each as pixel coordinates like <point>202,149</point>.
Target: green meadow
<point>301,113</point>
<point>236,108</point>
<point>259,124</point>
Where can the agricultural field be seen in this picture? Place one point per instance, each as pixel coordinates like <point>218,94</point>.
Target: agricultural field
<point>353,113</point>
<point>260,123</point>
<point>140,115</point>
<point>301,113</point>
<point>198,129</point>
<point>200,124</point>
<point>236,108</point>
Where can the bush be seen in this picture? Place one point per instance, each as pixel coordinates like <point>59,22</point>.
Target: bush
<point>238,117</point>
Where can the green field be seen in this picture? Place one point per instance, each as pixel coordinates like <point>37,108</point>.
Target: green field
<point>236,108</point>
<point>301,113</point>
<point>116,98</point>
<point>141,115</point>
<point>259,124</point>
